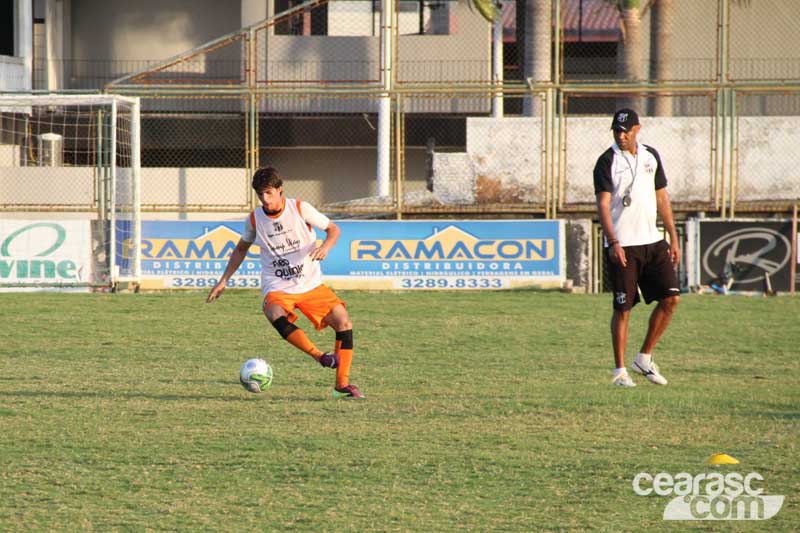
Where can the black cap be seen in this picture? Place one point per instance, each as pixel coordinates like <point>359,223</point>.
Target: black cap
<point>624,119</point>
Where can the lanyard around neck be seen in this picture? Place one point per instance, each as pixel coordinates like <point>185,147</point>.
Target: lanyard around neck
<point>633,169</point>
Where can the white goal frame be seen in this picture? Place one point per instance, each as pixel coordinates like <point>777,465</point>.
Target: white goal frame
<point>112,204</point>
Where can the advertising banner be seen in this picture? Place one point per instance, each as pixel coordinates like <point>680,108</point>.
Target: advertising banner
<point>192,255</point>
<point>46,253</point>
<point>371,255</point>
<point>746,255</point>
<point>447,254</point>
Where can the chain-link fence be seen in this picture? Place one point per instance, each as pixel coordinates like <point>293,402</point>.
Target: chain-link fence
<point>685,139</point>
<point>762,40</point>
<point>408,114</point>
<point>324,146</point>
<point>766,161</point>
<point>194,153</point>
<point>456,155</point>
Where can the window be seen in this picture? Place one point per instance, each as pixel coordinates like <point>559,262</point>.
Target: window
<point>360,18</point>
<point>312,21</point>
<point>422,17</point>
<point>7,19</point>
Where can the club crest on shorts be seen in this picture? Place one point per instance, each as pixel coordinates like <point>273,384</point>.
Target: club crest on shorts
<point>620,297</point>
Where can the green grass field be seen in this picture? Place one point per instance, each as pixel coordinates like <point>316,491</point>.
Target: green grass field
<point>485,411</point>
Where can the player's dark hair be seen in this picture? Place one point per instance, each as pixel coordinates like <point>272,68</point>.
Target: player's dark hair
<point>266,177</point>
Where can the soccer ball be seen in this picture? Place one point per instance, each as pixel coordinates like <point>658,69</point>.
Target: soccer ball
<point>255,375</point>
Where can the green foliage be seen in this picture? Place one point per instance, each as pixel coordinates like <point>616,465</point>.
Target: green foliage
<point>488,9</point>
<point>485,411</point>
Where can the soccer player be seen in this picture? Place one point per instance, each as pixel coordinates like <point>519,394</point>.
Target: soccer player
<point>630,187</point>
<point>291,277</point>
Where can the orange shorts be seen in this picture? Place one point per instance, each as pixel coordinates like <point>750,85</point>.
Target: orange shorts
<point>315,304</point>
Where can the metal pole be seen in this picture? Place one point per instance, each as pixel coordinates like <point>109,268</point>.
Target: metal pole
<point>555,111</point>
<point>733,153</point>
<point>251,83</point>
<point>793,261</point>
<point>137,190</point>
<point>722,149</point>
<point>254,156</point>
<point>100,169</point>
<point>547,118</point>
<point>556,67</point>
<point>384,100</point>
<point>497,67</point>
<point>562,160</point>
<point>112,156</point>
<point>399,155</point>
<point>247,164</point>
<point>252,146</point>
<point>722,72</point>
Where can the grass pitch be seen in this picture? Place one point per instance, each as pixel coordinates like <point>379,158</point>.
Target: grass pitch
<point>484,412</point>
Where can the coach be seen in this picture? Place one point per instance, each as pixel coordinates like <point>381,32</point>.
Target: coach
<point>630,186</point>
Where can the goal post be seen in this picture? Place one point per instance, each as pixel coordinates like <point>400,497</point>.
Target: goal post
<point>70,193</point>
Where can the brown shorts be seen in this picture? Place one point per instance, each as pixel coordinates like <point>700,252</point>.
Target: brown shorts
<point>315,304</point>
<point>650,268</point>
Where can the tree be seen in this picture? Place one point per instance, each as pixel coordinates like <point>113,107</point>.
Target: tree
<point>537,58</point>
<point>661,24</point>
<point>629,53</point>
<point>489,9</point>
<point>534,18</point>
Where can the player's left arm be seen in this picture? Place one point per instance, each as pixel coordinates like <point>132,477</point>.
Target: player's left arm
<point>665,211</point>
<point>318,220</point>
<point>332,233</point>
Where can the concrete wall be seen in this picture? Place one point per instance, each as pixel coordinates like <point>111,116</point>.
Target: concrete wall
<point>684,144</point>
<point>767,168</point>
<point>147,29</point>
<point>502,163</point>
<point>41,186</point>
<point>464,55</point>
<point>318,175</point>
<point>132,33</point>
<point>135,35</point>
<point>503,159</point>
<point>13,74</point>
<point>768,164</point>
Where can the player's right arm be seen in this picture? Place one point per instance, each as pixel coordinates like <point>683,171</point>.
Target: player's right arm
<point>603,187</point>
<point>615,250</point>
<point>237,256</point>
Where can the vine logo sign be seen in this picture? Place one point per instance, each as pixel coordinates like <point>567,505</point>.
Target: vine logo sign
<point>44,253</point>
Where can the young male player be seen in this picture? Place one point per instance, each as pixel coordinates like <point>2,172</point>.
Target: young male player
<point>291,277</point>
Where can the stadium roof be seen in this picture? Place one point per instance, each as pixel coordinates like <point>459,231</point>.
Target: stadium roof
<point>581,20</point>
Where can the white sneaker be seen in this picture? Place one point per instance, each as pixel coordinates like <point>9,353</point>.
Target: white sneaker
<point>649,370</point>
<point>623,380</point>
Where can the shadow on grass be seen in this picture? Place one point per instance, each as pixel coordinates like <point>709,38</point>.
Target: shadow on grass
<point>787,416</point>
<point>246,397</point>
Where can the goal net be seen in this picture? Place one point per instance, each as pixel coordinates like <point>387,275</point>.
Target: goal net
<point>69,191</point>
